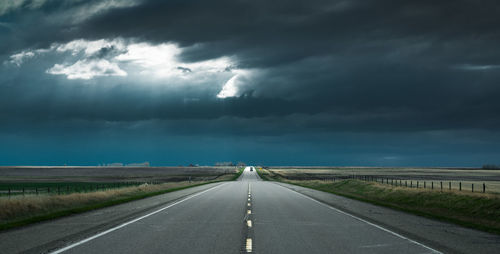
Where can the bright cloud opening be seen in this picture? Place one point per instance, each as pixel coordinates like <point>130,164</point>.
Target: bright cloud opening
<point>18,58</point>
<point>143,61</point>
<point>89,48</point>
<point>233,87</point>
<point>85,69</point>
<point>230,89</point>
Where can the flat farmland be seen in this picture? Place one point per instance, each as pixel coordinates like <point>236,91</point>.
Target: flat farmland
<point>110,174</point>
<point>431,176</point>
<point>414,190</point>
<point>32,194</point>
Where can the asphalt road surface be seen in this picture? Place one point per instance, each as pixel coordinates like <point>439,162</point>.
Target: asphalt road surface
<point>248,215</point>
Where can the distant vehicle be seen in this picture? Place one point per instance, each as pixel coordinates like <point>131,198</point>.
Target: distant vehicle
<point>251,169</point>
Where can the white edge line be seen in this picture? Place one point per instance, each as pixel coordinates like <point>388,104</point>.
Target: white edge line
<point>129,222</point>
<point>365,221</point>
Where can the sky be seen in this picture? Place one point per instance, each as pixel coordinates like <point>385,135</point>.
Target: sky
<point>317,82</point>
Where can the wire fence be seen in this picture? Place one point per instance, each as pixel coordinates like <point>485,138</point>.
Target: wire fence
<point>61,189</point>
<point>439,185</point>
<point>52,188</point>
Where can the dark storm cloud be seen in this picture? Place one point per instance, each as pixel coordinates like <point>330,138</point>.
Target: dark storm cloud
<point>269,33</point>
<point>354,82</point>
<point>322,65</point>
<point>394,62</point>
<point>38,24</point>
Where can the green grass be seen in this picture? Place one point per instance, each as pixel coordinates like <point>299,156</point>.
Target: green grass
<point>265,175</point>
<point>89,207</point>
<point>47,207</point>
<point>238,174</point>
<point>478,211</point>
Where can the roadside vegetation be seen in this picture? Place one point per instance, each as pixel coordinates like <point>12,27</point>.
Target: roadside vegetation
<point>474,210</point>
<point>238,174</point>
<point>41,188</point>
<point>21,210</point>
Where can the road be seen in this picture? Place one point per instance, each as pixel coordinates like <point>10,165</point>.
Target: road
<point>218,221</point>
<point>248,215</point>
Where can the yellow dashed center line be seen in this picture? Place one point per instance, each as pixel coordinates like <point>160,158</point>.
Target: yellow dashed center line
<point>249,245</point>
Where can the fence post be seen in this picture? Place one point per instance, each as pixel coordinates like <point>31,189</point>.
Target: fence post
<point>406,183</point>
<point>432,185</point>
<point>472,187</point>
<point>449,185</point>
<point>441,185</point>
<point>411,184</point>
<point>484,188</point>
<point>460,186</point>
<point>417,184</point>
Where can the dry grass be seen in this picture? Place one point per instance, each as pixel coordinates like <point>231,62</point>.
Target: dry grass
<point>428,175</point>
<point>20,210</point>
<point>475,210</point>
<point>19,207</point>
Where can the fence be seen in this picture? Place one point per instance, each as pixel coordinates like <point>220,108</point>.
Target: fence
<point>59,189</point>
<point>433,185</point>
<point>82,187</point>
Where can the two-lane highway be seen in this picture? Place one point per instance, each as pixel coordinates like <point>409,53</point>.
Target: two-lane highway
<point>247,215</point>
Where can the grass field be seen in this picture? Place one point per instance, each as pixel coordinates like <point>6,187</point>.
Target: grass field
<point>43,188</point>
<point>109,174</point>
<point>475,210</point>
<point>431,176</point>
<point>76,197</point>
<point>65,180</point>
